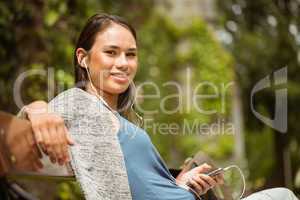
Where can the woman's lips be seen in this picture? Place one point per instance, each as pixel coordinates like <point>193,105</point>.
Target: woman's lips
<point>120,77</point>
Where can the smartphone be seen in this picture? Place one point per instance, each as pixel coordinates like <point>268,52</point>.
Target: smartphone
<point>215,172</point>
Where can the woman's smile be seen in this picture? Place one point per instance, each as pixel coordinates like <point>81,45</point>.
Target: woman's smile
<point>119,77</point>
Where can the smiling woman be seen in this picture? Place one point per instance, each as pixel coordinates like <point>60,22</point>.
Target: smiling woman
<point>112,158</point>
<point>107,60</point>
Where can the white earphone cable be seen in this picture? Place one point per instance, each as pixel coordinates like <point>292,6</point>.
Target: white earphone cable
<point>185,186</point>
<point>101,98</point>
<point>242,175</point>
<point>93,87</point>
<point>141,119</point>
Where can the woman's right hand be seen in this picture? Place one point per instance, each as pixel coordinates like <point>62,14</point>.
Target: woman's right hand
<point>50,132</point>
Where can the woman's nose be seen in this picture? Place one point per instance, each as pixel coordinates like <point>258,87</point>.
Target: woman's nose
<point>122,62</point>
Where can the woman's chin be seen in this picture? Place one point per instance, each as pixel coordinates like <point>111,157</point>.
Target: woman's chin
<point>118,90</point>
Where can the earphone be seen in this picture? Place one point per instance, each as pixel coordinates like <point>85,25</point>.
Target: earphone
<point>242,175</point>
<point>83,64</point>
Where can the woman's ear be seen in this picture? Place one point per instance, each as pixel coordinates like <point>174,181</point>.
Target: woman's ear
<point>81,56</point>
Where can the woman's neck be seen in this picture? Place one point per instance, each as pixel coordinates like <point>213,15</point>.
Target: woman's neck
<point>110,99</point>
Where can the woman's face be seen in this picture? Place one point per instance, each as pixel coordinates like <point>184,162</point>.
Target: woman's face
<point>112,60</point>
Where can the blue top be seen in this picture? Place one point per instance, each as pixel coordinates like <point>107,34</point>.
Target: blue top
<point>148,176</point>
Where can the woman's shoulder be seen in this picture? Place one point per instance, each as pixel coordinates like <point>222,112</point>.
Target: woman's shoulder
<point>74,94</point>
<point>76,101</point>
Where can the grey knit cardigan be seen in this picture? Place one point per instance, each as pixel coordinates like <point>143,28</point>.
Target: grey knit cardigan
<point>96,157</point>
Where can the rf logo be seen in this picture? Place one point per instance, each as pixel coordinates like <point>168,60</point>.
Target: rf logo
<point>279,122</point>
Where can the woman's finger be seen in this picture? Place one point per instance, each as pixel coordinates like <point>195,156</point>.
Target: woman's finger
<point>37,134</point>
<point>48,144</point>
<point>39,138</point>
<point>196,186</point>
<point>202,168</point>
<point>37,165</point>
<point>63,142</point>
<point>55,142</point>
<point>209,180</point>
<point>59,145</point>
<point>205,186</point>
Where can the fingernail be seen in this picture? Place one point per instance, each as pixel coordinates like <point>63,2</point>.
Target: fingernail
<point>53,160</point>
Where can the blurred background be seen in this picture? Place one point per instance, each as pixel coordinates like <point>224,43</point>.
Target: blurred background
<point>235,43</point>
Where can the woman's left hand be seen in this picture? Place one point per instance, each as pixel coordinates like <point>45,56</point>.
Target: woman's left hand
<point>198,180</point>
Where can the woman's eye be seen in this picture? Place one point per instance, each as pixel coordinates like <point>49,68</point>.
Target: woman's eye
<point>111,52</point>
<point>131,54</point>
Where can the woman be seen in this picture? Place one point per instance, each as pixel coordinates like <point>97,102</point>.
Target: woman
<point>105,65</point>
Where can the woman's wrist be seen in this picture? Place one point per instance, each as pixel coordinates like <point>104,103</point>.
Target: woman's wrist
<point>35,108</point>
<point>184,183</point>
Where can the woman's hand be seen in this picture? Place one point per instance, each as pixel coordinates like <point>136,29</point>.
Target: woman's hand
<point>50,132</point>
<point>198,180</point>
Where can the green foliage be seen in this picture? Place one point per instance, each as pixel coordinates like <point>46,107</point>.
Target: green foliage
<point>69,191</point>
<point>166,54</point>
<point>40,35</point>
<point>266,38</point>
<point>265,143</point>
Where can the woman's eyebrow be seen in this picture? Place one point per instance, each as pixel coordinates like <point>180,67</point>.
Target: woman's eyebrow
<point>112,46</point>
<point>132,49</point>
<point>117,47</point>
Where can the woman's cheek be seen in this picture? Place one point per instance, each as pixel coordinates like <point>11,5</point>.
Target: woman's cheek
<point>133,71</point>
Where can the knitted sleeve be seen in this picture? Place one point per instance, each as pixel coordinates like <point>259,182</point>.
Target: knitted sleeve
<point>96,157</point>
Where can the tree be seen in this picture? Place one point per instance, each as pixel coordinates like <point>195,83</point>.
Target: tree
<point>265,38</point>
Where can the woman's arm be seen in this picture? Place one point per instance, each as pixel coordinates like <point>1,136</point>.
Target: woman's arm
<point>49,131</point>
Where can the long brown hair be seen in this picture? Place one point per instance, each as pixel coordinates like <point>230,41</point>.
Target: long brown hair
<point>94,25</point>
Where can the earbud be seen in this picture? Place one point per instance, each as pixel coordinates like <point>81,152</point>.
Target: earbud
<point>83,63</point>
